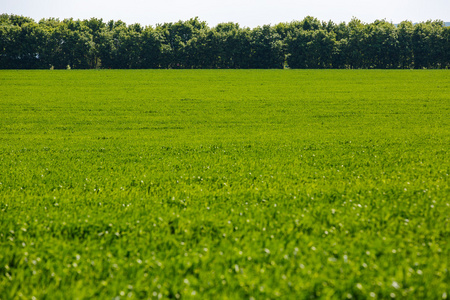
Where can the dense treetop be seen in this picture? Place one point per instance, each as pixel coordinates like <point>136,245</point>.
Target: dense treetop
<point>310,43</point>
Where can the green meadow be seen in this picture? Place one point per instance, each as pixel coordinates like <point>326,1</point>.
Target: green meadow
<point>225,184</point>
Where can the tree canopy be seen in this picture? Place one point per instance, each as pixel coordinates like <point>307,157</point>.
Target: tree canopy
<point>310,43</point>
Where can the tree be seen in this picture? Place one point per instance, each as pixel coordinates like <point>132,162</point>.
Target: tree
<point>446,46</point>
<point>232,44</point>
<point>311,49</point>
<point>175,37</point>
<point>96,27</point>
<point>151,47</point>
<point>308,43</point>
<point>405,48</point>
<point>201,50</point>
<point>428,44</point>
<point>266,48</point>
<point>70,44</point>
<point>22,43</point>
<point>356,44</point>
<point>381,45</point>
<point>120,46</point>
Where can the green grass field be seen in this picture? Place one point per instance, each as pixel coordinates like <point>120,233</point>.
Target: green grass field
<point>216,184</point>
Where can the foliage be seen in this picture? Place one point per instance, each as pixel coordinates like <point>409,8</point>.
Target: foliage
<point>191,44</point>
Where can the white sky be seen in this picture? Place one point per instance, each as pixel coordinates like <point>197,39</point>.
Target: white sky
<point>250,13</point>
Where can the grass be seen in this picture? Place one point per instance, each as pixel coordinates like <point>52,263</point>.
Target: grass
<point>224,184</point>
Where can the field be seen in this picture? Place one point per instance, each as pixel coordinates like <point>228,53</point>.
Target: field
<point>216,184</point>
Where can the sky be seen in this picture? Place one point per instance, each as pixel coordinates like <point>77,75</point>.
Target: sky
<point>248,13</point>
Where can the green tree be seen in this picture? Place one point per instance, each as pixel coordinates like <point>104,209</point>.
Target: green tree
<point>151,48</point>
<point>381,45</point>
<point>428,44</point>
<point>22,43</point>
<point>341,47</point>
<point>15,20</point>
<point>175,37</point>
<point>201,50</point>
<point>446,46</point>
<point>232,44</point>
<point>405,49</point>
<point>312,49</point>
<point>96,27</point>
<point>71,44</point>
<point>120,46</point>
<point>356,43</point>
<point>266,48</point>
<point>308,43</point>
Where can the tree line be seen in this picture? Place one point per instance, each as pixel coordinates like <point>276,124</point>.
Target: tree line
<point>310,43</point>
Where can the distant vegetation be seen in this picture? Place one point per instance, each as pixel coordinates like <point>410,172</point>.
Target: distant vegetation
<point>310,43</point>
